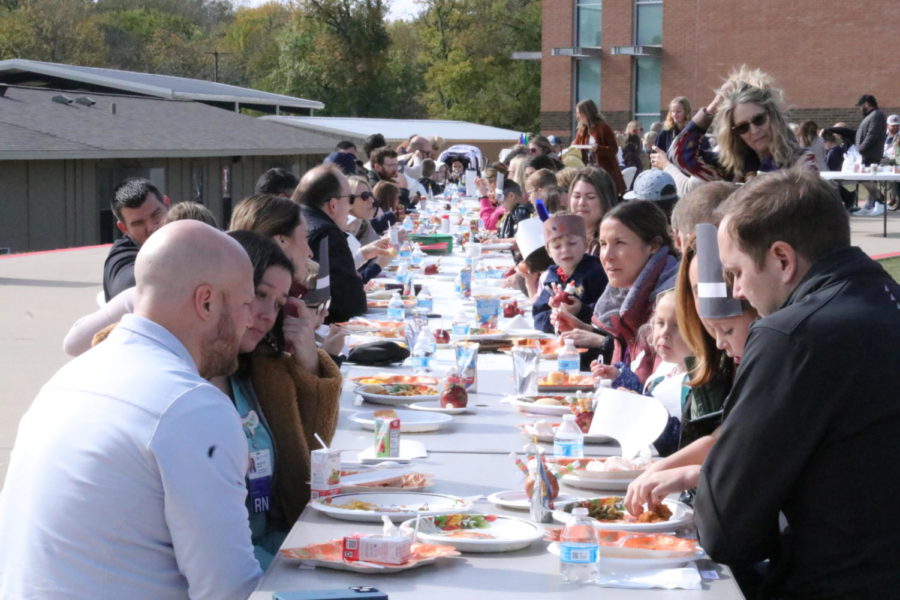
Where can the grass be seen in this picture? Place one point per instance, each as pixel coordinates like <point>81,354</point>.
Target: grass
<point>892,266</point>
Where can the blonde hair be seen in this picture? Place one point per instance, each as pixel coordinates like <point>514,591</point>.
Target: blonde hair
<point>355,181</point>
<point>565,177</point>
<point>517,170</point>
<point>685,104</point>
<point>752,86</point>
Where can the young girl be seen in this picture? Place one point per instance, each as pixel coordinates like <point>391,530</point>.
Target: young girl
<point>669,383</point>
<point>566,240</point>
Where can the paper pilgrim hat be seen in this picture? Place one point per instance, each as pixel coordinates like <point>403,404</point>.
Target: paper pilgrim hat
<point>322,290</point>
<point>716,301</point>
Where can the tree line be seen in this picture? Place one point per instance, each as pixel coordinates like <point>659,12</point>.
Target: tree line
<point>454,61</point>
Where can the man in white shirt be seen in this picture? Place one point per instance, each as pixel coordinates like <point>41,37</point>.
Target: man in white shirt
<point>127,475</point>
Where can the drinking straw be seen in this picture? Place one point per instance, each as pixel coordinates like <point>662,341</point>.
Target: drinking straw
<point>321,441</point>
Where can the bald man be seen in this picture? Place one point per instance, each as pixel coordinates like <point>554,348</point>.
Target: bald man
<point>127,475</point>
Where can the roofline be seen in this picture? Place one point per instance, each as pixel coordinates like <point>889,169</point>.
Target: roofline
<point>64,72</point>
<point>317,128</point>
<point>111,154</point>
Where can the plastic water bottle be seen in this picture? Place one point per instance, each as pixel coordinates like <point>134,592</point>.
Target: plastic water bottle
<point>396,310</point>
<point>417,256</point>
<point>460,324</point>
<point>568,439</point>
<point>408,223</point>
<point>424,301</point>
<point>405,249</point>
<point>579,549</point>
<point>567,358</point>
<point>422,350</point>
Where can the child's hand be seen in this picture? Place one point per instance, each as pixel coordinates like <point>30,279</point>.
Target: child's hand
<point>602,371</point>
<point>574,308</point>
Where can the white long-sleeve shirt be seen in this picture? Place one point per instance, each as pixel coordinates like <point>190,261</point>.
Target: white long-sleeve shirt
<point>127,481</point>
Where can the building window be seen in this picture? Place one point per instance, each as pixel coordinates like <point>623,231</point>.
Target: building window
<point>589,29</point>
<point>587,80</point>
<point>647,73</point>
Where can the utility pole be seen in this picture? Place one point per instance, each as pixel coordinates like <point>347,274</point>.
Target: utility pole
<point>215,54</point>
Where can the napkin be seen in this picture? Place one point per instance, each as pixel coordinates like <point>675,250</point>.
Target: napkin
<point>684,578</point>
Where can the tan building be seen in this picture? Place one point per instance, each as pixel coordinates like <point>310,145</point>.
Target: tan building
<point>634,56</point>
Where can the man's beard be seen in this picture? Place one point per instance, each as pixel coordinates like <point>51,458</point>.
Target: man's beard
<point>220,350</point>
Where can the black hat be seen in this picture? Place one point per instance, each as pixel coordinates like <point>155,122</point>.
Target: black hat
<point>867,98</point>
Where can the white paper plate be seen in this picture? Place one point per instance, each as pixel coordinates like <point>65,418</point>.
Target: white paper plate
<point>548,438</point>
<point>373,476</point>
<point>496,246</point>
<point>608,563</point>
<point>541,409</point>
<point>682,515</point>
<point>370,396</point>
<point>604,485</point>
<point>517,500</point>
<point>435,406</point>
<point>410,421</point>
<point>396,505</point>
<point>509,534</point>
<point>367,568</point>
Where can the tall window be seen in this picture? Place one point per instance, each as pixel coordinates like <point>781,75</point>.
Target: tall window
<point>588,33</point>
<point>648,32</point>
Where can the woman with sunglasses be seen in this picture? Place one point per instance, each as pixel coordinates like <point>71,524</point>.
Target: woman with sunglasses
<point>594,131</point>
<point>371,253</point>
<point>750,129</point>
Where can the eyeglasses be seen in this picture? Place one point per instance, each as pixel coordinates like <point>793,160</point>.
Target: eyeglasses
<point>757,121</point>
<point>362,196</point>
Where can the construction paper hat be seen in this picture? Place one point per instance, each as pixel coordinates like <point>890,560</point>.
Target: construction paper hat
<point>716,301</point>
<point>560,225</point>
<point>322,290</point>
<point>530,236</point>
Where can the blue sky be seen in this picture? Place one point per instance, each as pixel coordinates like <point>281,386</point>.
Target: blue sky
<point>400,9</point>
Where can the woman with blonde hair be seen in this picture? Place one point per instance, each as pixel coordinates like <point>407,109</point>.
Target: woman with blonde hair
<point>594,131</point>
<point>750,129</point>
<point>677,118</point>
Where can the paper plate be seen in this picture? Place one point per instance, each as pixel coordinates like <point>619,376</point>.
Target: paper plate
<point>396,505</point>
<point>410,421</point>
<point>528,430</point>
<point>435,406</point>
<point>385,378</point>
<point>605,485</point>
<point>409,482</point>
<point>329,556</point>
<point>367,392</point>
<point>540,409</point>
<point>506,533</point>
<point>565,388</point>
<point>608,563</point>
<point>682,515</point>
<point>517,500</point>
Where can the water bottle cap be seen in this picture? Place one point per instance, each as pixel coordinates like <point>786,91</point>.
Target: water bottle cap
<point>579,511</point>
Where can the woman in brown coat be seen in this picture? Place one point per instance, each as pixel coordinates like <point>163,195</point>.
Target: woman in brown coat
<point>594,131</point>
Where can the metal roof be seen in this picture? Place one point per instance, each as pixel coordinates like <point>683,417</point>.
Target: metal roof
<point>400,129</point>
<point>22,71</point>
<point>34,126</point>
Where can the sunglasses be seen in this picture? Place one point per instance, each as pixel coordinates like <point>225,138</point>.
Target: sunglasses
<point>757,121</point>
<point>363,196</point>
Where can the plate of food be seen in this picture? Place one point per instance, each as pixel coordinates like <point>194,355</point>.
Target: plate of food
<point>519,500</point>
<point>611,474</point>
<point>544,431</point>
<point>435,406</point>
<point>330,555</point>
<point>641,551</point>
<point>398,393</point>
<point>549,346</point>
<point>385,379</point>
<point>611,513</point>
<point>557,381</point>
<point>543,404</point>
<point>473,532</point>
<point>383,303</point>
<point>411,421</point>
<point>484,333</point>
<point>370,506</point>
<point>384,480</point>
<point>385,329</point>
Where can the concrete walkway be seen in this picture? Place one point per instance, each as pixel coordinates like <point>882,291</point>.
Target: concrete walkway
<point>43,294</point>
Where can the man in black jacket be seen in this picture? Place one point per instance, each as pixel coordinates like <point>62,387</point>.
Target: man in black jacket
<point>324,197</point>
<point>139,211</point>
<point>870,137</point>
<point>804,472</point>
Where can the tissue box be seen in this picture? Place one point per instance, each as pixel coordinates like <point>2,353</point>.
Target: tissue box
<point>391,550</point>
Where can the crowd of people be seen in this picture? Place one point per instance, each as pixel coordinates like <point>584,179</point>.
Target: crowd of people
<point>722,282</point>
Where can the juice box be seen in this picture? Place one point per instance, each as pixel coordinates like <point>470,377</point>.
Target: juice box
<point>325,473</point>
<point>391,550</point>
<point>387,437</point>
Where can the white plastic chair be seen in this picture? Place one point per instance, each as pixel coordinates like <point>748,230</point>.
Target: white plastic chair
<point>628,174</point>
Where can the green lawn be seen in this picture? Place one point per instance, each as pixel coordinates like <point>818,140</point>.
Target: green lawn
<point>892,266</point>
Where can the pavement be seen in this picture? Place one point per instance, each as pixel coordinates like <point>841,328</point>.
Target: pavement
<point>42,294</point>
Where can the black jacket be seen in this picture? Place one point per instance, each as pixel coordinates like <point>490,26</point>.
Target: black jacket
<point>348,299</point>
<point>812,430</point>
<point>589,276</point>
<point>118,270</point>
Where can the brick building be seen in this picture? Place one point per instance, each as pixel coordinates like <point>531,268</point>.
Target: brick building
<point>636,55</point>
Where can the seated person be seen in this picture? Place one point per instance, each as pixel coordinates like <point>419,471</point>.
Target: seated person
<point>698,206</point>
<point>566,241</point>
<point>537,182</point>
<point>387,201</point>
<point>516,208</point>
<point>140,211</point>
<point>278,182</point>
<point>324,198</point>
<point>126,479</point>
<point>427,180</point>
<point>385,167</point>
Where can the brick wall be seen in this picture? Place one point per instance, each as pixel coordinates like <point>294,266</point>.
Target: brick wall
<point>823,53</point>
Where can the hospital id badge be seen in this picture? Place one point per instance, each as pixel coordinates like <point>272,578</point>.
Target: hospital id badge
<point>259,478</point>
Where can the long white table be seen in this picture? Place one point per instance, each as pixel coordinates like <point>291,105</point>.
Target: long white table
<point>467,459</point>
<point>883,180</point>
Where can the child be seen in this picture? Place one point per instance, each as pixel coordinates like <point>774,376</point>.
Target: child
<point>669,381</point>
<point>516,208</point>
<point>565,238</point>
